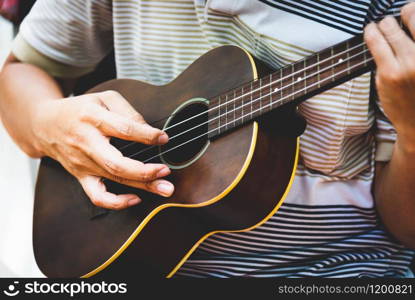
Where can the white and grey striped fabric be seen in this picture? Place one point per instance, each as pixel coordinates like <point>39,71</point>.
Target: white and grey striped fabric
<point>327,225</point>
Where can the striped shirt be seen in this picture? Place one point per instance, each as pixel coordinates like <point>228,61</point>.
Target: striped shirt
<point>328,224</point>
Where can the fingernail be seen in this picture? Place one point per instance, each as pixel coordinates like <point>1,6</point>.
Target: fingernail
<point>133,201</point>
<point>164,138</point>
<point>165,188</point>
<point>163,172</point>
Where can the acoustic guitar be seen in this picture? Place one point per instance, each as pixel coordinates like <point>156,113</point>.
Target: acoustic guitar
<point>233,150</point>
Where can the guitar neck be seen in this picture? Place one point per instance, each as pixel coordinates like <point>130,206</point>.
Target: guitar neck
<point>293,83</point>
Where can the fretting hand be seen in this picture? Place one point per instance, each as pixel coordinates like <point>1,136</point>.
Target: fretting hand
<point>394,53</point>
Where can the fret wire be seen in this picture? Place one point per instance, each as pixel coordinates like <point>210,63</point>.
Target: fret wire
<point>281,74</point>
<point>332,68</point>
<point>226,115</point>
<point>242,109</point>
<point>219,114</point>
<point>271,90</point>
<point>305,77</point>
<point>348,57</point>
<point>318,70</point>
<point>293,81</point>
<point>251,100</point>
<point>234,109</point>
<point>260,96</point>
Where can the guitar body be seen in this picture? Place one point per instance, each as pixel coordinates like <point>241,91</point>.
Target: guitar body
<point>237,182</point>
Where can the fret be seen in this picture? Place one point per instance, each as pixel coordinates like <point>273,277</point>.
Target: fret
<point>356,54</point>
<point>312,73</point>
<point>339,61</point>
<point>299,78</point>
<point>239,109</point>
<point>266,105</point>
<point>292,83</point>
<point>326,67</point>
<point>260,96</point>
<point>332,64</point>
<point>271,92</point>
<point>219,117</point>
<point>286,82</point>
<point>234,108</point>
<point>318,70</point>
<point>226,114</point>
<point>247,103</point>
<point>348,57</point>
<point>245,107</point>
<point>305,76</point>
<point>251,100</point>
<point>280,85</point>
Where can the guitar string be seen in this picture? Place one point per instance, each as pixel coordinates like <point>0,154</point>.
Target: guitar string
<point>279,80</point>
<point>281,100</point>
<point>164,152</point>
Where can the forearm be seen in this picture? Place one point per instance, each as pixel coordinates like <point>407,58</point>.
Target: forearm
<point>22,88</point>
<point>395,193</point>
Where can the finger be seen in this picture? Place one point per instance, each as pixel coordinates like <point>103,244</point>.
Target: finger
<point>398,40</point>
<point>379,47</point>
<point>161,187</point>
<point>97,192</point>
<point>115,125</point>
<point>408,17</point>
<point>117,103</point>
<point>111,159</point>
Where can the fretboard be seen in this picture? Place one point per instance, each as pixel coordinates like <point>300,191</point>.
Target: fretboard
<point>293,83</point>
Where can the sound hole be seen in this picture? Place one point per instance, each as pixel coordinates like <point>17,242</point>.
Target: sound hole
<point>188,132</point>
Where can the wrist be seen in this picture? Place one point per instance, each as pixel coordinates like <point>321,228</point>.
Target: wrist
<point>40,121</point>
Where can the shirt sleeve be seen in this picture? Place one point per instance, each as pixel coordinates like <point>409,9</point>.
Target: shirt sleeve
<point>66,38</point>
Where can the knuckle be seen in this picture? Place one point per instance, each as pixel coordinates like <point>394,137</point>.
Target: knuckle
<point>147,139</point>
<point>113,167</point>
<point>86,111</point>
<point>75,139</point>
<point>150,136</point>
<point>389,30</point>
<point>119,179</point>
<point>150,186</point>
<point>392,77</point>
<point>76,162</point>
<point>147,175</point>
<point>127,129</point>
